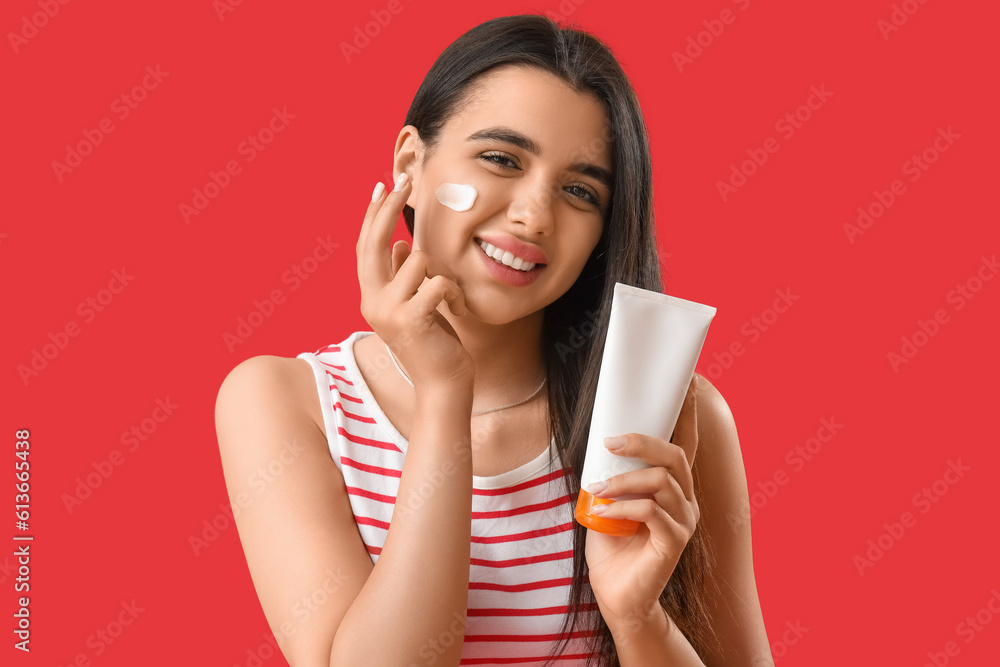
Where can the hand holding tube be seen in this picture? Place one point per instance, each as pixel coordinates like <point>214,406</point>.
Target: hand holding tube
<point>629,573</point>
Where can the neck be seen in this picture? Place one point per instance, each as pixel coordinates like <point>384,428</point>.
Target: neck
<point>508,357</point>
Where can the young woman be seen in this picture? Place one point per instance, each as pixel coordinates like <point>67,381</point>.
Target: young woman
<point>416,500</point>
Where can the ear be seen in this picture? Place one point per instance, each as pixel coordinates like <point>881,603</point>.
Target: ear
<point>407,157</point>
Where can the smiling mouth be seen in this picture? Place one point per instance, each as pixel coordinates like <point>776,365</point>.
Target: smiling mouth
<point>512,262</point>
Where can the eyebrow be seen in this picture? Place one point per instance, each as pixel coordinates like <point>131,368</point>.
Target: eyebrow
<point>515,138</point>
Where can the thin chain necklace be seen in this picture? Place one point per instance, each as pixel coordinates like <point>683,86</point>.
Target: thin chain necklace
<point>475,412</point>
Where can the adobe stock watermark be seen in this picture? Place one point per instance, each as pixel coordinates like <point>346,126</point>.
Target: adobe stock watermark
<point>923,501</point>
<point>103,468</point>
<point>958,297</point>
<point>968,629</point>
<point>102,639</point>
<point>914,167</point>
<point>223,7</point>
<point>122,107</point>
<point>792,635</point>
<point>58,340</point>
<point>294,277</point>
<point>438,478</point>
<point>7,569</point>
<point>37,21</point>
<point>259,480</point>
<point>578,338</point>
<point>786,126</point>
<point>249,149</point>
<point>752,329</point>
<point>367,32</point>
<point>432,649</point>
<point>797,458</point>
<point>382,363</point>
<point>697,43</point>
<point>898,17</point>
<point>566,9</point>
<point>302,610</point>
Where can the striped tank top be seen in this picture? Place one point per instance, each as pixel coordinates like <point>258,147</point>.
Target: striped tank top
<point>522,525</point>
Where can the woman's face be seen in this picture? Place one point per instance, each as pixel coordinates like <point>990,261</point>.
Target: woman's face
<point>539,157</point>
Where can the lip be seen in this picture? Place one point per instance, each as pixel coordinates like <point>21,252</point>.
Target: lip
<point>505,274</point>
<point>532,253</point>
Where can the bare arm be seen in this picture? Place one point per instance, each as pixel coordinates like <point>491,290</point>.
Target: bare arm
<point>724,516</point>
<point>419,590</point>
<point>323,598</point>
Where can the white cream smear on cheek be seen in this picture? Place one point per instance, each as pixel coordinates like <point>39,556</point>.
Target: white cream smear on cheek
<point>456,196</point>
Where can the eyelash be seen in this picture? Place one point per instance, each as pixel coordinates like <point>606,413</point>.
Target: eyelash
<point>592,198</point>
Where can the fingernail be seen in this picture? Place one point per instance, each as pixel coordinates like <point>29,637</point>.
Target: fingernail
<point>615,443</point>
<point>597,487</point>
<point>377,192</point>
<point>599,509</point>
<point>400,182</point>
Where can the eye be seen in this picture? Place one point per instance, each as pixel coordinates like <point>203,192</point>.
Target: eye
<point>498,160</point>
<point>589,195</point>
<point>505,162</point>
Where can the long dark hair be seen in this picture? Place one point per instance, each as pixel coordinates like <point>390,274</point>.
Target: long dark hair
<point>575,325</point>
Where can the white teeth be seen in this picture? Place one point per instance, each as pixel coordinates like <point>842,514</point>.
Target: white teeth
<point>506,257</point>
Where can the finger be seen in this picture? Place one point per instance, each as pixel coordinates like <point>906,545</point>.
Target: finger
<point>646,510</point>
<point>400,251</point>
<point>657,481</point>
<point>658,453</point>
<point>434,290</point>
<point>686,430</point>
<point>374,254</point>
<point>410,277</point>
<point>378,196</point>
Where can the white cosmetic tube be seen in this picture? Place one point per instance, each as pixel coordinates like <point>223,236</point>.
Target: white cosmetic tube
<point>650,354</point>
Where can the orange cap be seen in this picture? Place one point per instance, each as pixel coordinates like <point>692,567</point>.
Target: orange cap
<point>585,515</point>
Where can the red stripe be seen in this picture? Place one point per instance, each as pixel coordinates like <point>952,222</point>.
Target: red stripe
<point>374,550</point>
<point>524,485</point>
<point>480,540</point>
<point>514,588</point>
<point>339,368</point>
<point>366,420</point>
<point>343,395</point>
<point>338,377</point>
<point>514,562</point>
<point>381,444</point>
<point>577,634</point>
<point>499,514</point>
<point>511,661</point>
<point>367,468</point>
<point>368,521</point>
<point>355,491</point>
<point>542,611</point>
<point>516,537</point>
<point>328,348</point>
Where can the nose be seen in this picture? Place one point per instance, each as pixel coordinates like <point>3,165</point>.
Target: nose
<point>533,209</point>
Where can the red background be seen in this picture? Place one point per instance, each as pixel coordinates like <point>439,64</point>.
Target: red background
<point>825,357</point>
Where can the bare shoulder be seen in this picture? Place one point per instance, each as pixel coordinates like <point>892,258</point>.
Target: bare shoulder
<point>281,383</point>
<point>719,459</point>
<point>716,424</point>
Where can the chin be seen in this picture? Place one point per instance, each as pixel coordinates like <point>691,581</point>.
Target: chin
<point>487,312</point>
